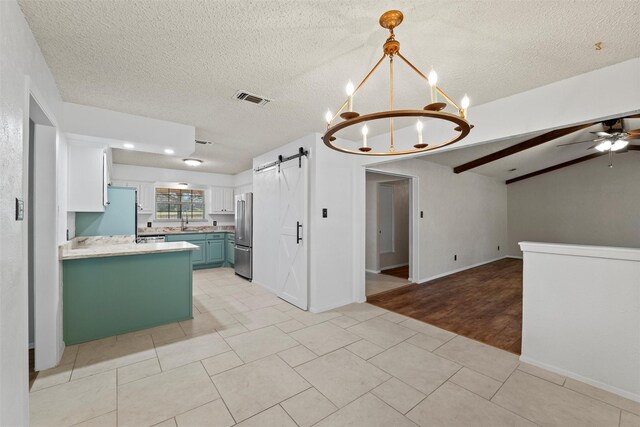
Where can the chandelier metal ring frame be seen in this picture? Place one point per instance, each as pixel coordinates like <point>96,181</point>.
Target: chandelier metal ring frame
<point>391,48</point>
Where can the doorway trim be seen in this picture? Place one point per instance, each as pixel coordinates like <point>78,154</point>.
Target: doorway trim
<point>48,339</point>
<point>360,213</point>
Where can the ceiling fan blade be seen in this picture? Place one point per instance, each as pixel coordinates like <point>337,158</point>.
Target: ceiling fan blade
<point>602,134</point>
<point>580,142</point>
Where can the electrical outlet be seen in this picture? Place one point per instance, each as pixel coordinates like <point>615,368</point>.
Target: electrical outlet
<point>215,223</point>
<point>498,247</point>
<point>324,212</point>
<point>455,257</point>
<point>19,209</point>
<point>149,224</point>
<point>421,214</point>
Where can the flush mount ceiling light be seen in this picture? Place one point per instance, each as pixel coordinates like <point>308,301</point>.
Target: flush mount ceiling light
<point>433,110</point>
<point>168,151</point>
<point>192,162</point>
<point>128,145</point>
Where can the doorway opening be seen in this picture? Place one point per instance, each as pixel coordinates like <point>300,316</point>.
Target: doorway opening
<point>388,218</point>
<point>41,217</point>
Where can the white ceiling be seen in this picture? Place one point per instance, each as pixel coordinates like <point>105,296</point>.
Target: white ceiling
<point>527,161</point>
<point>183,60</point>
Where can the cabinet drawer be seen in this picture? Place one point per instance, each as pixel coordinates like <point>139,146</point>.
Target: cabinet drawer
<point>215,236</point>
<point>185,237</point>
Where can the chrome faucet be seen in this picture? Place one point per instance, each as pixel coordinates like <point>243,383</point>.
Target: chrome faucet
<point>182,222</point>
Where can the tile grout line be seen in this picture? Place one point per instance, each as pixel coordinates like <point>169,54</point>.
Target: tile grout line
<point>507,409</point>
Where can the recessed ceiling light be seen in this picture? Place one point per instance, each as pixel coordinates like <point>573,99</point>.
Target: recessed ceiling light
<point>168,151</point>
<point>128,146</point>
<point>193,162</point>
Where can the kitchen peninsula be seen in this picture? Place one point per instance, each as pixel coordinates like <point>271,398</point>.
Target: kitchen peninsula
<point>113,285</point>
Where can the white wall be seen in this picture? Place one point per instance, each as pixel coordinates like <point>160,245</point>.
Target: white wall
<point>588,203</point>
<point>22,68</point>
<point>400,255</point>
<point>464,215</point>
<point>581,314</point>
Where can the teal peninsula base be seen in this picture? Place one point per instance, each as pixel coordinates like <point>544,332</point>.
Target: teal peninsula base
<point>112,295</point>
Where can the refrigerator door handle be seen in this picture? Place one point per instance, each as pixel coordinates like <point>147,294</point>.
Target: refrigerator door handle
<point>298,228</point>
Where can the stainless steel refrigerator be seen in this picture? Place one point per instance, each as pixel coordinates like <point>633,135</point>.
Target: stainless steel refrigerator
<point>244,235</point>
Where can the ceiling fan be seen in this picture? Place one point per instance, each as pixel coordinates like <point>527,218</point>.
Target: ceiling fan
<point>615,138</point>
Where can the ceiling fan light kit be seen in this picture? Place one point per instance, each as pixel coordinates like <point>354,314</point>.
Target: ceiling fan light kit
<point>433,110</point>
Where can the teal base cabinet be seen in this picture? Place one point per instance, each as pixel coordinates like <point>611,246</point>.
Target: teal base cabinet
<point>231,253</point>
<point>114,295</point>
<point>216,249</point>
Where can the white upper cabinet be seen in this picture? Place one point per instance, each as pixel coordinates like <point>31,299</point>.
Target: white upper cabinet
<point>146,197</point>
<point>145,193</point>
<point>89,177</point>
<point>220,200</point>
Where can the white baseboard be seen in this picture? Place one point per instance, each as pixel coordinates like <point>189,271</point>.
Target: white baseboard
<point>320,309</point>
<point>437,276</point>
<point>387,267</point>
<point>372,271</point>
<point>627,394</point>
<point>514,257</point>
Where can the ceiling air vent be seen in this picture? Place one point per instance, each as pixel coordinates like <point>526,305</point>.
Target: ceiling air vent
<point>242,95</point>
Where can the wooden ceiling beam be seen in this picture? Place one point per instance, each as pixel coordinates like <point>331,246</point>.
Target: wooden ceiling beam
<point>565,164</point>
<point>525,145</point>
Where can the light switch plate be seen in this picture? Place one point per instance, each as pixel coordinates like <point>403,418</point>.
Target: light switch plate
<point>324,212</point>
<point>19,209</point>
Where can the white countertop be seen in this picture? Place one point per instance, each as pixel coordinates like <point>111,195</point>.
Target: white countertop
<point>610,252</point>
<point>98,251</point>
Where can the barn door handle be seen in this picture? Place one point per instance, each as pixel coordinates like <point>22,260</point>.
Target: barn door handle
<point>298,227</point>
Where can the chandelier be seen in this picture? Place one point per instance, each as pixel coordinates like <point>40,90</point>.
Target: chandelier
<point>434,110</point>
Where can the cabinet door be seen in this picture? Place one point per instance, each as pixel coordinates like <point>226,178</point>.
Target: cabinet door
<point>228,205</point>
<point>146,197</point>
<point>231,253</point>
<point>199,257</point>
<point>87,178</point>
<point>216,200</point>
<point>215,251</point>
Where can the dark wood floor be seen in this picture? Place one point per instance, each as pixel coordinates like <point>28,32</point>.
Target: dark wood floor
<point>401,272</point>
<point>482,303</point>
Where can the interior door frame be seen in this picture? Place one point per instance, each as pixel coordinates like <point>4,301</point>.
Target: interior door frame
<point>414,228</point>
<point>48,337</point>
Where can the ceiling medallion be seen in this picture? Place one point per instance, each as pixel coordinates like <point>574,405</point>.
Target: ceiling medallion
<point>434,110</point>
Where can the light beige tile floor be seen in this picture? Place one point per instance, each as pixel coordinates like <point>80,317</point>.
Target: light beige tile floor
<point>250,358</point>
<point>377,283</point>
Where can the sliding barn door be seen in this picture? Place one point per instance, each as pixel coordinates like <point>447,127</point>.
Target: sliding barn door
<point>292,282</point>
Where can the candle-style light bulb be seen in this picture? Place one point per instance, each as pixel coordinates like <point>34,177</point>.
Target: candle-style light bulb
<point>328,116</point>
<point>365,131</point>
<point>432,78</point>
<point>464,104</point>
<point>350,90</point>
<point>419,127</point>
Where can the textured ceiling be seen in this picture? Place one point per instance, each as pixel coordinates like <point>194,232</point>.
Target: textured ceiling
<point>531,160</point>
<point>183,60</point>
